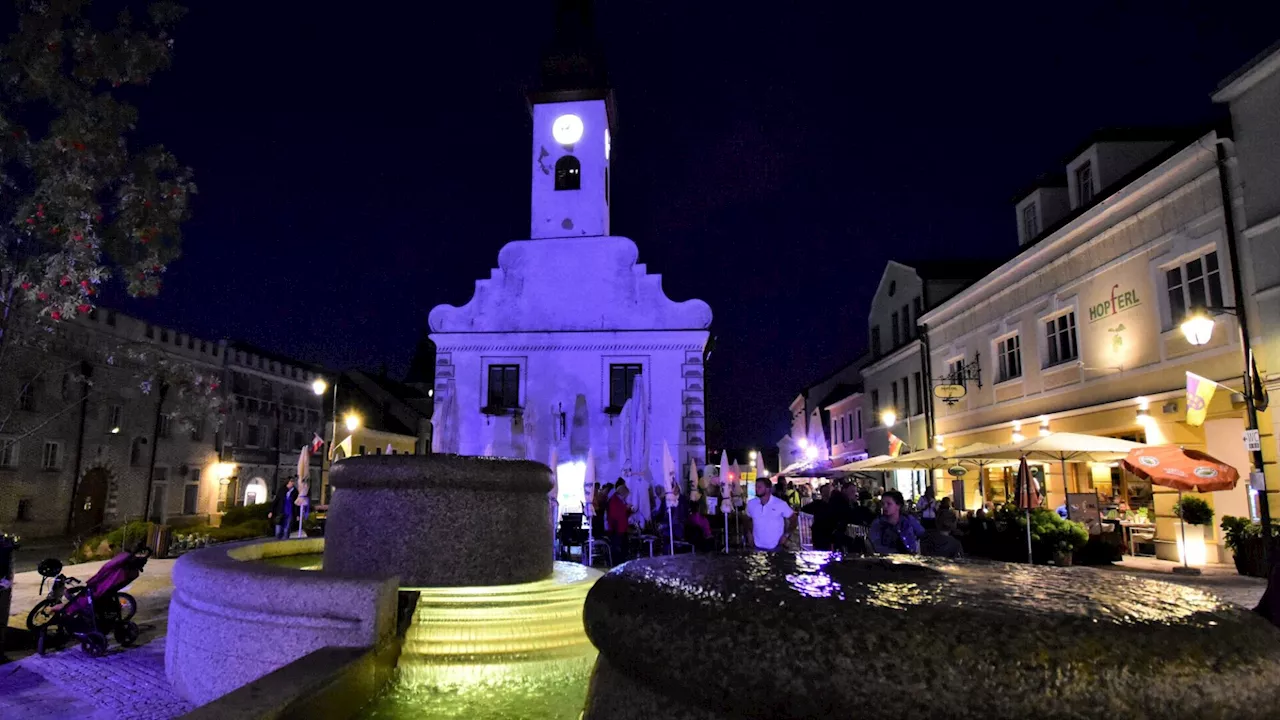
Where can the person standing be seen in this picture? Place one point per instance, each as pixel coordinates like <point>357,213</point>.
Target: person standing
<point>895,531</point>
<point>281,513</point>
<point>769,517</point>
<point>619,515</point>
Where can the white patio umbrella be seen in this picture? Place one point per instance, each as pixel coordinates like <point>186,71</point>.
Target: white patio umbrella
<point>553,497</point>
<point>528,429</point>
<point>588,500</point>
<point>1060,446</point>
<point>725,489</point>
<point>670,486</point>
<point>444,433</point>
<point>304,485</point>
<point>488,449</point>
<point>636,449</point>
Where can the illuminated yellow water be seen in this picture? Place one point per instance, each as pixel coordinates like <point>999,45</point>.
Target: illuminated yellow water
<point>491,653</point>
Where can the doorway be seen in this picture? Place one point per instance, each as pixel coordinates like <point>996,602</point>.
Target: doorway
<point>158,498</point>
<point>90,501</point>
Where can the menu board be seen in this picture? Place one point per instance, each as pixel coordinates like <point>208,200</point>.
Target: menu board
<point>1083,508</point>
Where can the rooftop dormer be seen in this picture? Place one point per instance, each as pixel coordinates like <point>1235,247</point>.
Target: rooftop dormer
<point>1041,207</point>
<point>1110,155</point>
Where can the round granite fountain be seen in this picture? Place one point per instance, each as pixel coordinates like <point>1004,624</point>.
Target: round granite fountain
<point>813,634</point>
<point>496,626</point>
<point>472,538</point>
<point>440,520</point>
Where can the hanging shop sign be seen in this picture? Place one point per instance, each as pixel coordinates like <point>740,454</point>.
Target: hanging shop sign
<point>1119,302</point>
<point>949,393</point>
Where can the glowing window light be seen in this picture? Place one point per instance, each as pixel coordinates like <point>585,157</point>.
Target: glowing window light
<point>567,129</point>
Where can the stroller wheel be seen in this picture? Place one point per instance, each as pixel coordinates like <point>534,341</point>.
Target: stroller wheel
<point>128,606</point>
<point>41,615</point>
<point>94,644</point>
<point>127,633</point>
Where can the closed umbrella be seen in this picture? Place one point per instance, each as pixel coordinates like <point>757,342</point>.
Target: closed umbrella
<point>637,448</point>
<point>589,498</point>
<point>693,477</point>
<point>444,431</point>
<point>669,486</point>
<point>725,501</point>
<point>1181,469</point>
<point>554,496</point>
<point>304,486</point>
<point>1027,496</point>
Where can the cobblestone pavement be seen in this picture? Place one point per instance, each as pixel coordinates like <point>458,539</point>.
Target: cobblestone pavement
<point>126,684</point>
<point>1220,580</point>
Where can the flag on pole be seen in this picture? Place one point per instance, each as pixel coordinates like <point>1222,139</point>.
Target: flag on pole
<point>317,442</point>
<point>895,445</point>
<point>1199,394</point>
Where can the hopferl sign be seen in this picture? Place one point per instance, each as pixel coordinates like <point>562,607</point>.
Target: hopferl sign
<point>1116,304</point>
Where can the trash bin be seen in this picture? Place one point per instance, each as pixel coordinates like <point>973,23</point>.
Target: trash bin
<point>159,538</point>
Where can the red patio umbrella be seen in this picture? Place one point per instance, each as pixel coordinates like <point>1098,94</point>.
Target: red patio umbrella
<point>1181,469</point>
<point>1027,495</point>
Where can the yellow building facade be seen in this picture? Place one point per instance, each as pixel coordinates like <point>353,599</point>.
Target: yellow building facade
<point>1080,332</point>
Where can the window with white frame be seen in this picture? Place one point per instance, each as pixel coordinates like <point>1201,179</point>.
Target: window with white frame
<point>8,453</point>
<point>52,459</point>
<point>1196,283</point>
<point>1030,221</point>
<point>955,370</point>
<point>1084,183</point>
<point>1009,358</point>
<point>1060,339</point>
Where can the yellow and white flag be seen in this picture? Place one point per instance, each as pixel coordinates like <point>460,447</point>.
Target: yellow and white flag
<point>1199,394</point>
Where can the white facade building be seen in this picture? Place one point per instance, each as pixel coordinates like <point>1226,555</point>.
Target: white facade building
<point>545,353</point>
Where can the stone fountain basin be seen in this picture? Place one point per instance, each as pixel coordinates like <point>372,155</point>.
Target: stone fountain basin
<point>235,617</point>
<point>813,634</point>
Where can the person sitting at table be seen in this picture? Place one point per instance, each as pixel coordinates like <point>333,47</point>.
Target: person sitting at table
<point>618,514</point>
<point>697,529</point>
<point>895,531</point>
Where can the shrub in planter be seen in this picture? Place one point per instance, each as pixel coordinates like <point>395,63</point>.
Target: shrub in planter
<point>1193,510</point>
<point>1244,539</point>
<point>245,513</point>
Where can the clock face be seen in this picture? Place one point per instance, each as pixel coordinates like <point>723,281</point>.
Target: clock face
<point>606,144</point>
<point>567,129</point>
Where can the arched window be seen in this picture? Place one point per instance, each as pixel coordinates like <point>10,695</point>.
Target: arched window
<point>568,173</point>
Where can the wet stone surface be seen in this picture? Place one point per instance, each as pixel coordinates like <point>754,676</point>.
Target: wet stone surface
<point>777,635</point>
<point>440,520</point>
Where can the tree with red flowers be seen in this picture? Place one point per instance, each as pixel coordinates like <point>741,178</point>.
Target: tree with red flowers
<point>80,205</point>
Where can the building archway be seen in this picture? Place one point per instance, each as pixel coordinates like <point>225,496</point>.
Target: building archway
<point>255,491</point>
<point>90,501</point>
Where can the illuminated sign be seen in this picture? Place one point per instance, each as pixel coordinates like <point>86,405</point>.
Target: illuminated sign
<point>1118,303</point>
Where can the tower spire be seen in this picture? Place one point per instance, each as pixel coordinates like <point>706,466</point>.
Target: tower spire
<point>573,60</point>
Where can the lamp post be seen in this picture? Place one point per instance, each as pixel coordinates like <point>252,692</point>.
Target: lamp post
<point>1198,330</point>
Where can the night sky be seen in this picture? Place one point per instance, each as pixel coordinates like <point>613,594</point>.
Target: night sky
<point>358,167</point>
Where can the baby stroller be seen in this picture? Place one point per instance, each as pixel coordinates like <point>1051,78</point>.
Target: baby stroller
<point>94,610</point>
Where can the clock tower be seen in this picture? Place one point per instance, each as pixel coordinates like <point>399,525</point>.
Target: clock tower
<point>572,132</point>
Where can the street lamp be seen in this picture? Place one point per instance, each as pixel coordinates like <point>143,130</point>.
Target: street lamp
<point>889,418</point>
<point>752,455</point>
<point>1198,330</point>
<point>353,422</point>
<point>1198,327</point>
<point>319,386</point>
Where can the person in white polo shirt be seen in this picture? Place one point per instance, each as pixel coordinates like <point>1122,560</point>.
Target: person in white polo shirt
<point>769,517</point>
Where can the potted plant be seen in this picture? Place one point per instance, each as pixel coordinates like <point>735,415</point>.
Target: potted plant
<point>1195,513</point>
<point>1244,539</point>
<point>8,544</point>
